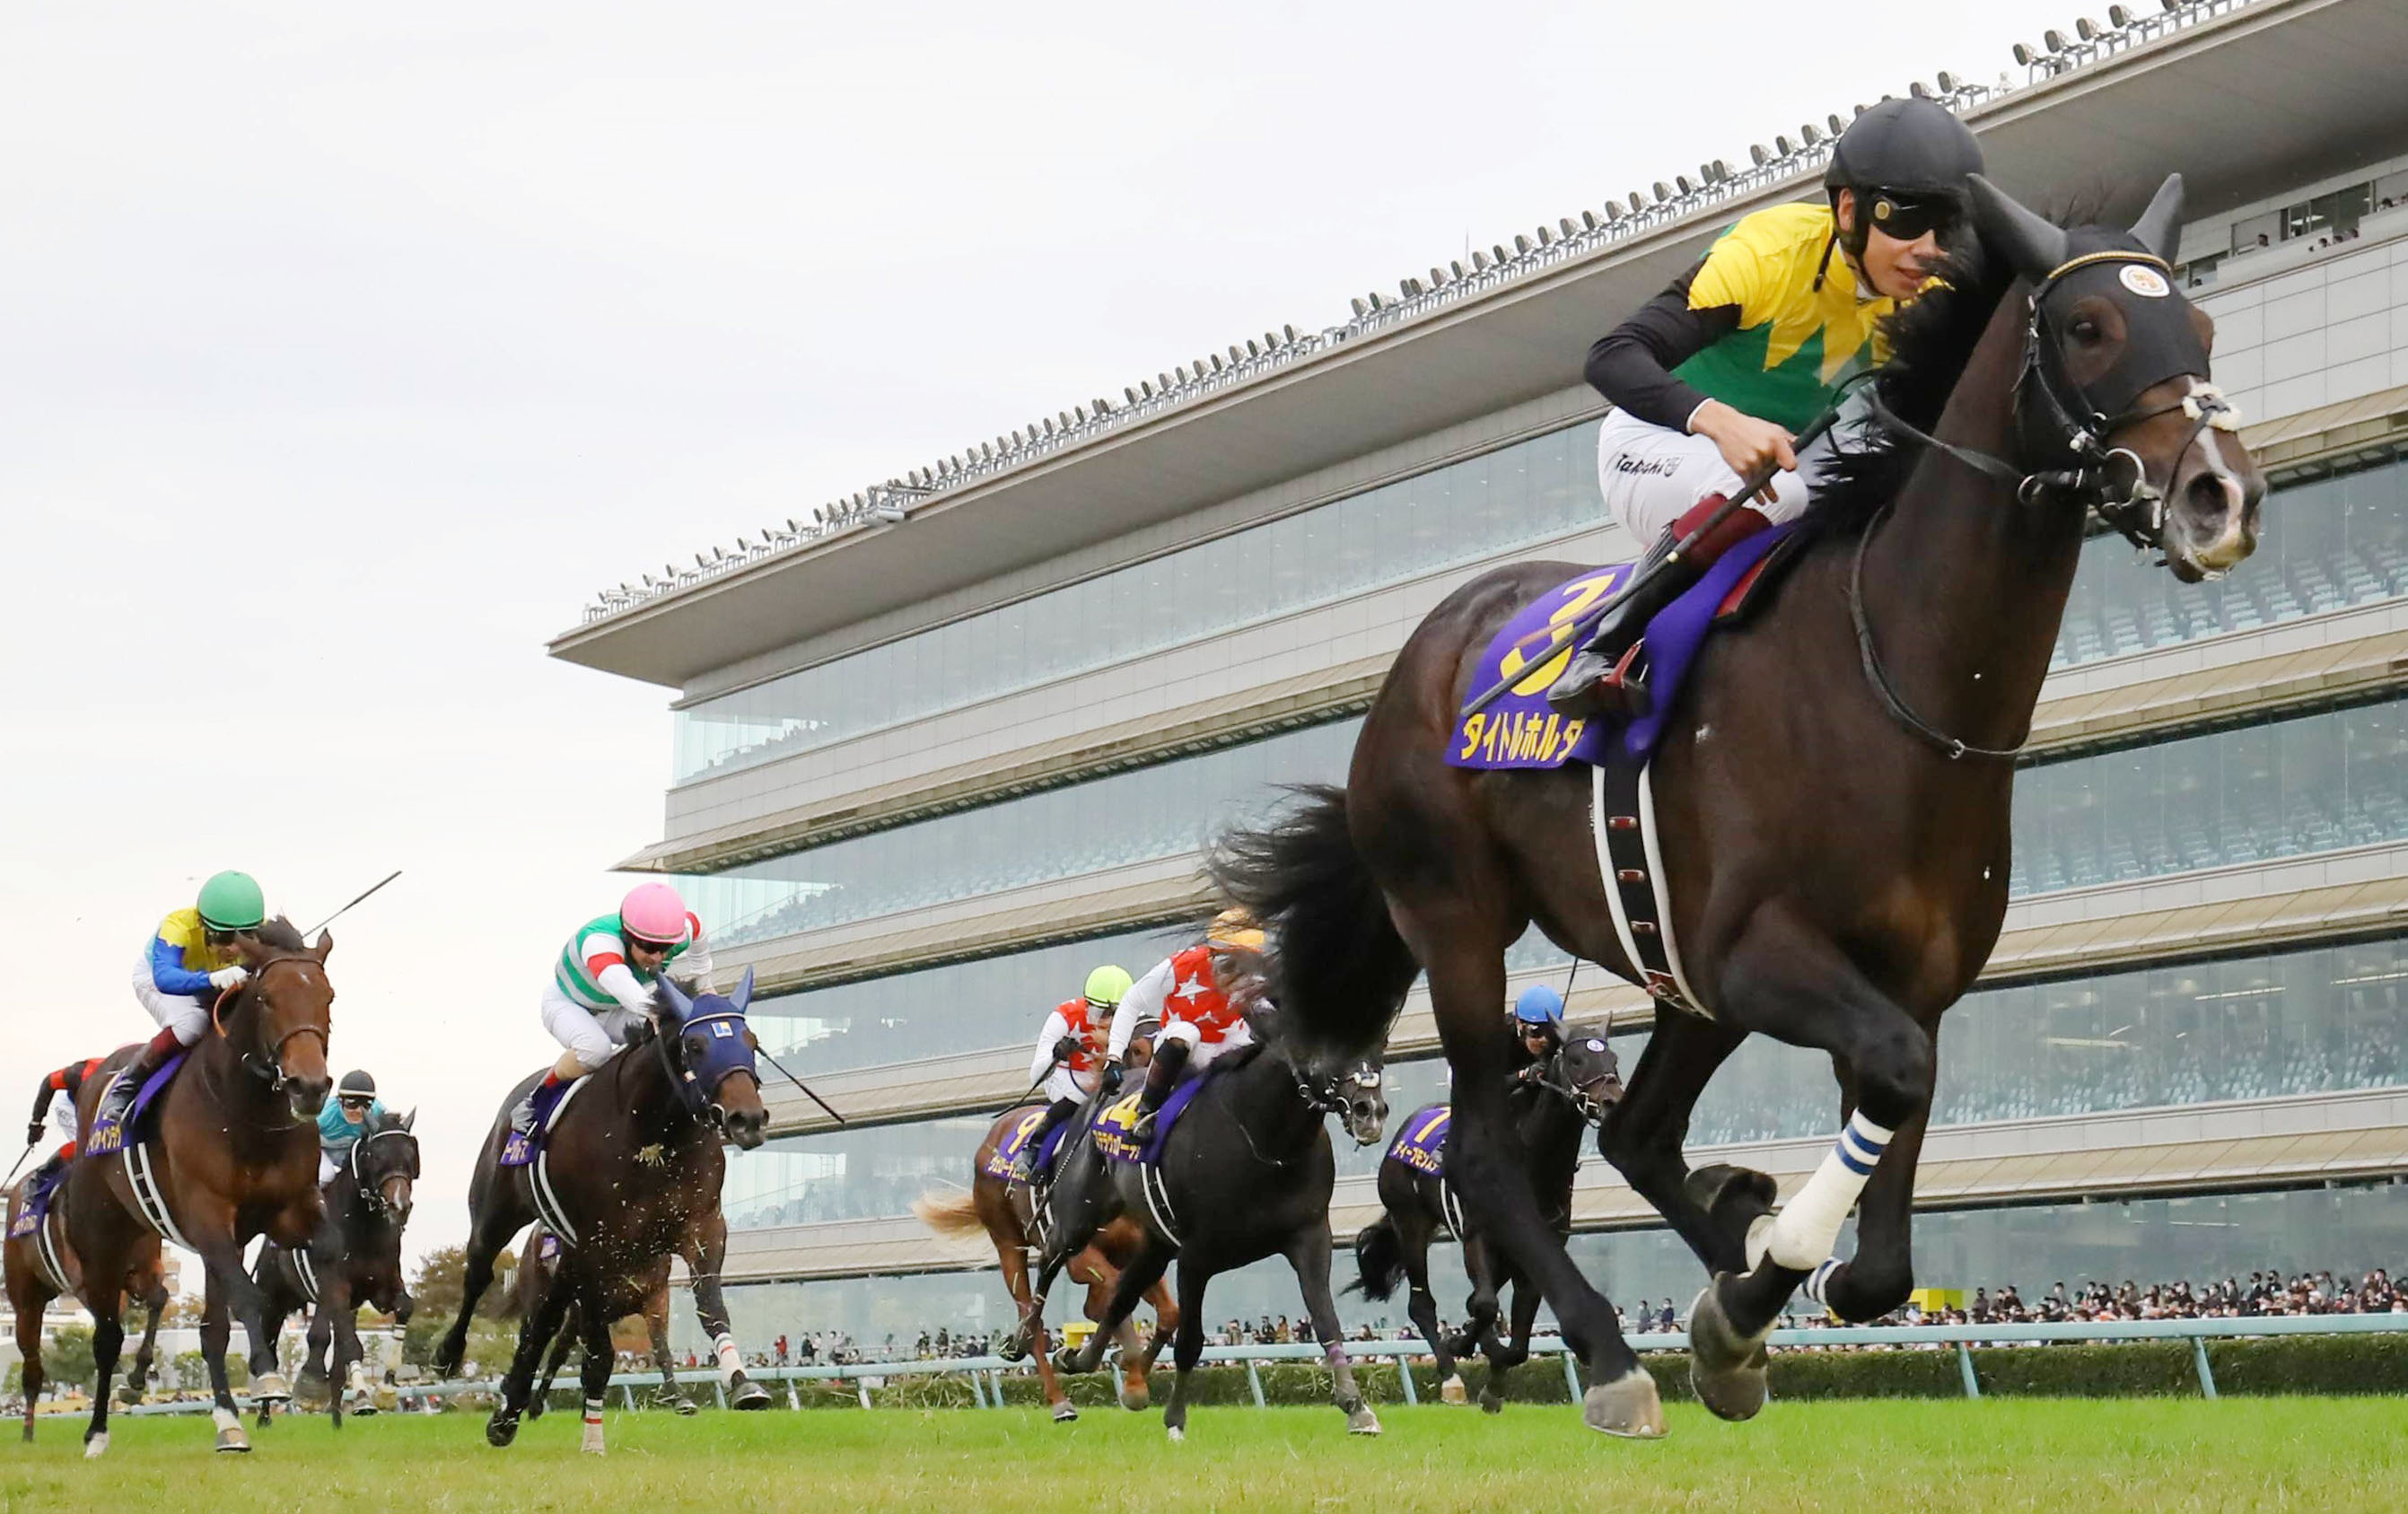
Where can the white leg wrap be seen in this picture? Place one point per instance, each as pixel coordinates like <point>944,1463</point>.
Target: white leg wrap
<point>1809,1224</point>
<point>593,1441</point>
<point>731,1361</point>
<point>227,1418</point>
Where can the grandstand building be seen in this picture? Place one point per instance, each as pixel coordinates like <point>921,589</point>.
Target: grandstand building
<point>956,740</point>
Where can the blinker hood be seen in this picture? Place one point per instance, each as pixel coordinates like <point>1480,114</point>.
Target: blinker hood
<point>2160,340</point>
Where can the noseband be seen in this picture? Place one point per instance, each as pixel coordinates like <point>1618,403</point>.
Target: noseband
<point>1584,1104</point>
<point>2111,480</point>
<point>373,1194</point>
<point>272,1074</point>
<point>701,1104</point>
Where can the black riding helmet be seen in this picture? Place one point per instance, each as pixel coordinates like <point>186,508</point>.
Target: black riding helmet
<point>355,1085</point>
<point>1908,162</point>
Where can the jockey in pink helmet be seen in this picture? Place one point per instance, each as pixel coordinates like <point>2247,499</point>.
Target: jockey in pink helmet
<point>601,988</point>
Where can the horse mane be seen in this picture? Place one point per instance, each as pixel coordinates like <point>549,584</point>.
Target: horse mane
<point>282,934</point>
<point>1930,340</point>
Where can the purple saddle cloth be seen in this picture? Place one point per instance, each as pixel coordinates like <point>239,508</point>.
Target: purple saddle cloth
<point>110,1136</point>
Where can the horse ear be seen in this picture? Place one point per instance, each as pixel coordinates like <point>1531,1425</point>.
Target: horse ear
<point>2158,223</point>
<point>409,1121</point>
<point>2028,241</point>
<point>674,997</point>
<point>743,995</point>
<point>325,944</point>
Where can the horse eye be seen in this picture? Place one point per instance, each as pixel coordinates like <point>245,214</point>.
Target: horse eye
<point>2085,330</point>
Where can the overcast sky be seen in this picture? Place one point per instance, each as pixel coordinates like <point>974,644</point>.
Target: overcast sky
<point>346,350</point>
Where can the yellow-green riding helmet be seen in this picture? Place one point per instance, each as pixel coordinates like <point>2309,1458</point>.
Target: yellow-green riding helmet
<point>1107,986</point>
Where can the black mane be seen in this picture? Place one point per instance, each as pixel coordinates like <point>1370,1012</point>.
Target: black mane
<point>282,934</point>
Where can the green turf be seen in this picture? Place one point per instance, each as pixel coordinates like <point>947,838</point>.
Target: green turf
<point>2296,1453</point>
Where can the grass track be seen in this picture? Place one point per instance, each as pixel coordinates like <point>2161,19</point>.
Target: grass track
<point>2284,1453</point>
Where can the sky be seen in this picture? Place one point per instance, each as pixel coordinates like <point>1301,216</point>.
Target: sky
<point>346,351</point>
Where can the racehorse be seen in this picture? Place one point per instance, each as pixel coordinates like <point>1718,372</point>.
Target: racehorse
<point>537,1265</point>
<point>1831,796</point>
<point>229,1151</point>
<point>31,1283</point>
<point>1243,1173</point>
<point>1006,1213</point>
<point>630,1171</point>
<point>353,1259</point>
<point>1554,1103</point>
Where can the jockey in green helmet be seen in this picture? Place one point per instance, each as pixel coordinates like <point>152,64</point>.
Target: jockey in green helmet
<point>192,958</point>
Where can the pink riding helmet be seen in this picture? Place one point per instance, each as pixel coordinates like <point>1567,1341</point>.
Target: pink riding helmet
<point>653,912</point>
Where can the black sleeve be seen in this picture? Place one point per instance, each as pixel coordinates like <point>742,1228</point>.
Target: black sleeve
<point>1632,365</point>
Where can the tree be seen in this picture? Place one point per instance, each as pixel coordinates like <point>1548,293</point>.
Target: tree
<point>184,1309</point>
<point>436,1287</point>
<point>66,1356</point>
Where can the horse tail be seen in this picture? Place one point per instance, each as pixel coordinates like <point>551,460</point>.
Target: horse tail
<point>1379,1254</point>
<point>949,1214</point>
<point>1339,971</point>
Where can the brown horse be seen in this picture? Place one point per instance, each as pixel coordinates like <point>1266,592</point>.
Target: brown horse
<point>1830,798</point>
<point>1006,1212</point>
<point>34,1280</point>
<point>631,1173</point>
<point>231,1153</point>
<point>538,1262</point>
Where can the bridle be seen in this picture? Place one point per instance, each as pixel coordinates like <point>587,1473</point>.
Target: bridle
<point>373,1195</point>
<point>701,1104</point>
<point>272,1073</point>
<point>1550,1077</point>
<point>2113,481</point>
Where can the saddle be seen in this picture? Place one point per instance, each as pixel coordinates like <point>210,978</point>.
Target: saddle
<point>524,1145</point>
<point>110,1136</point>
<point>42,1187</point>
<point>1116,1123</point>
<point>1520,731</point>
<point>1000,1162</point>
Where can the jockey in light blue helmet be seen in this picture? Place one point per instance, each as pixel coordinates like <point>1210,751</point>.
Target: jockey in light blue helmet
<point>1539,1020</point>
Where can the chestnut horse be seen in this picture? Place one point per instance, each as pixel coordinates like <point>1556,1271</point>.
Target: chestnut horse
<point>230,1152</point>
<point>1831,795</point>
<point>633,1164</point>
<point>32,1286</point>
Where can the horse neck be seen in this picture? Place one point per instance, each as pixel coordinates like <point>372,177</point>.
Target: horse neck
<point>647,1090</point>
<point>261,1117</point>
<point>1264,1098</point>
<point>1965,584</point>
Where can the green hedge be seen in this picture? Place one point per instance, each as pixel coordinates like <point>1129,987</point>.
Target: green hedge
<point>2141,1370</point>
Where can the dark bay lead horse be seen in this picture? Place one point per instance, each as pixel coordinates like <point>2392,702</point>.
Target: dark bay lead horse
<point>1830,798</point>
<point>633,1165</point>
<point>233,1153</point>
<point>353,1259</point>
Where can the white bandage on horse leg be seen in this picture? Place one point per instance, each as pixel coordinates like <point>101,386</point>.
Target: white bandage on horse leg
<point>591,1440</point>
<point>227,1418</point>
<point>1809,1224</point>
<point>1819,1279</point>
<point>731,1361</point>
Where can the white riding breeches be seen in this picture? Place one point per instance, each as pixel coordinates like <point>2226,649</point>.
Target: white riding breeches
<point>1061,1083</point>
<point>1202,1053</point>
<point>593,1037</point>
<point>329,1164</point>
<point>186,1016</point>
<point>1652,476</point>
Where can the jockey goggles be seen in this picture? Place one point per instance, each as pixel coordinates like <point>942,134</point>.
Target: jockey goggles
<point>1907,218</point>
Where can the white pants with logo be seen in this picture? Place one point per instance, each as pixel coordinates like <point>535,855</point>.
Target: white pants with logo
<point>329,1164</point>
<point>593,1035</point>
<point>1061,1083</point>
<point>186,1016</point>
<point>1202,1053</point>
<point>1652,476</point>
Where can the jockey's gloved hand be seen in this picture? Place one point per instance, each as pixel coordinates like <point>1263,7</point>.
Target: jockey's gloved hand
<point>1066,1048</point>
<point>1110,1079</point>
<point>229,978</point>
<point>34,1134</point>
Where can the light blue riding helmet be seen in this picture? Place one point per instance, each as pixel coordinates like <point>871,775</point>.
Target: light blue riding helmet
<point>1540,1005</point>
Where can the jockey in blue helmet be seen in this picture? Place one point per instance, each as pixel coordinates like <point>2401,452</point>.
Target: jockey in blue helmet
<point>1538,1022</point>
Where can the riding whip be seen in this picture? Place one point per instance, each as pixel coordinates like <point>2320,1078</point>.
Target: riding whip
<point>18,1162</point>
<point>1035,1086</point>
<point>340,913</point>
<point>805,1086</point>
<point>1581,629</point>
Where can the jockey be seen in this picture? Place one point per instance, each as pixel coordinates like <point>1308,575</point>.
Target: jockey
<point>345,1119</point>
<point>601,988</point>
<point>1069,1057</point>
<point>1199,994</point>
<point>1538,1022</point>
<point>190,960</point>
<point>69,1080</point>
<point>1710,377</point>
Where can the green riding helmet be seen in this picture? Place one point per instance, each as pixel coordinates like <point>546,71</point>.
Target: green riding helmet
<point>1107,986</point>
<point>232,902</point>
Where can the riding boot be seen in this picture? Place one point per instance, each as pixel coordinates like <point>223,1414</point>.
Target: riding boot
<point>1588,687</point>
<point>1161,1076</point>
<point>118,1098</point>
<point>523,1113</point>
<point>1023,1166</point>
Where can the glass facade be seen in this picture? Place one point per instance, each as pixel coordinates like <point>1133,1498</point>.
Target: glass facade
<point>1460,513</point>
<point>864,1174</point>
<point>2315,782</point>
<point>2348,1230</point>
<point>2330,543</point>
<point>1130,817</point>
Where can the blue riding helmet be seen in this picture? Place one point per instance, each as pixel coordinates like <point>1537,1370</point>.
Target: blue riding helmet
<point>1540,1005</point>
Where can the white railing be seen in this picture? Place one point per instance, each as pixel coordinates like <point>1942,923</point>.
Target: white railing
<point>985,1373</point>
<point>1640,212</point>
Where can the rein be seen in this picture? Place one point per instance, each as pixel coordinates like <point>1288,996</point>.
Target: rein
<point>2137,512</point>
<point>1584,1104</point>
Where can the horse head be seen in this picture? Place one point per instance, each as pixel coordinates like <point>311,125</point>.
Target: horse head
<point>1585,1073</point>
<point>288,1002</point>
<point>708,1043</point>
<point>1359,1098</point>
<point>2115,382</point>
<point>384,1164</point>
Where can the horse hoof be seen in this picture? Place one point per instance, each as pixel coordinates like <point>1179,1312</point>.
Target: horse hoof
<point>749,1396</point>
<point>95,1445</point>
<point>1067,1361</point>
<point>231,1438</point>
<point>688,1406</point>
<point>1727,1368</point>
<point>1065,1412</point>
<point>1451,1391</point>
<point>1177,1433</point>
<point>1491,1401</point>
<point>270,1388</point>
<point>1362,1421</point>
<point>1014,1347</point>
<point>128,1394</point>
<point>501,1429</point>
<point>1136,1400</point>
<point>1627,1407</point>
